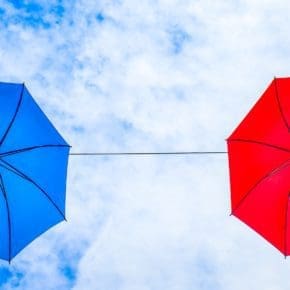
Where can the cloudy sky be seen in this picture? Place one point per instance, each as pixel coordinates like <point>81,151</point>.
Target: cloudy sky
<point>152,75</point>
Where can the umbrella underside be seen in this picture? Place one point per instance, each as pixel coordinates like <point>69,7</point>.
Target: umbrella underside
<point>33,167</point>
<point>259,161</point>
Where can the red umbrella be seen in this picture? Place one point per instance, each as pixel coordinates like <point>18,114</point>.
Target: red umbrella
<point>259,161</point>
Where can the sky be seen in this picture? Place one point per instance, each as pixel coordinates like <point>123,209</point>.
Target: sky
<point>162,75</point>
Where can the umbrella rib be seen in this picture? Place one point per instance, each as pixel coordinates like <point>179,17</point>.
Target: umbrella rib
<point>8,216</point>
<point>16,171</point>
<point>272,172</point>
<point>259,143</point>
<point>14,116</point>
<point>280,106</point>
<point>286,225</point>
<point>31,148</point>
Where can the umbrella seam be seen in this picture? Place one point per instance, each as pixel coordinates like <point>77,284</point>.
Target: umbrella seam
<point>14,116</point>
<point>274,171</point>
<point>259,143</point>
<point>24,176</point>
<point>279,105</point>
<point>13,152</point>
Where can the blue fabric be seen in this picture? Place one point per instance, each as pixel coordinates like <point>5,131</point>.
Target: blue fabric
<point>4,241</point>
<point>33,168</point>
<point>9,97</point>
<point>30,128</point>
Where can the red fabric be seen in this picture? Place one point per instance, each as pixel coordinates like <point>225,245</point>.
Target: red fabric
<point>259,162</point>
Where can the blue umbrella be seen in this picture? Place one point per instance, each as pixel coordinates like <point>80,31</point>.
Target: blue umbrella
<point>33,168</point>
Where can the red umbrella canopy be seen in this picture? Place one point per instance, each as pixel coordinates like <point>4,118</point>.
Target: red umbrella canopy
<point>259,162</point>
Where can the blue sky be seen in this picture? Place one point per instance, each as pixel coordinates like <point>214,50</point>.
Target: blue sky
<point>162,75</point>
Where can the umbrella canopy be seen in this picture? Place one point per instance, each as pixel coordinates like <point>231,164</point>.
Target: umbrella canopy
<point>259,162</point>
<point>33,167</point>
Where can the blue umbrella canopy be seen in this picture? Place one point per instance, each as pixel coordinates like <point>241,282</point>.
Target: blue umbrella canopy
<point>33,169</point>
